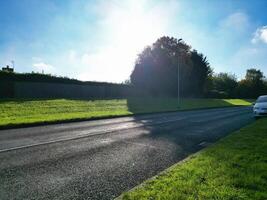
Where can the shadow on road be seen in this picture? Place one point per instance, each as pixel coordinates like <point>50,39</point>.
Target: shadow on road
<point>188,133</point>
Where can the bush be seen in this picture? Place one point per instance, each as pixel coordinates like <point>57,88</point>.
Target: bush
<point>217,94</point>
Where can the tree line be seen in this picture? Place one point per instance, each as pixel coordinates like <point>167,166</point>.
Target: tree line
<point>158,65</point>
<point>226,85</point>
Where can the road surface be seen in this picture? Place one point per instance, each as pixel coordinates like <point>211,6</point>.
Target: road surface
<point>100,159</point>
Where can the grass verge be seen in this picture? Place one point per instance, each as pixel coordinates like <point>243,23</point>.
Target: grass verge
<point>22,111</point>
<point>233,168</point>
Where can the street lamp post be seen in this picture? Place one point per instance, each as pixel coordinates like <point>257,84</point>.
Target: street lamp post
<point>178,76</point>
<point>178,83</point>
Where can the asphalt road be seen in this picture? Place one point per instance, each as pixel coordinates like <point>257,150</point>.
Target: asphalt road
<point>101,159</point>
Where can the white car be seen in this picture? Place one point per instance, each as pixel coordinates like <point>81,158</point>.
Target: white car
<point>260,107</point>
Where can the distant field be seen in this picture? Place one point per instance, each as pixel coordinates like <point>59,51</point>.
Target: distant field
<point>15,112</point>
<point>234,168</point>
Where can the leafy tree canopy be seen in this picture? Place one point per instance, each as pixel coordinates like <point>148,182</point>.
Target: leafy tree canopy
<point>156,69</point>
<point>225,82</point>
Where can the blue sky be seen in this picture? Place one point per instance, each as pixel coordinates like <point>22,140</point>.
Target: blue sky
<point>99,40</point>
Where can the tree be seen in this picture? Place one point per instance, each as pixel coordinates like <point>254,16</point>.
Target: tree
<point>226,83</point>
<point>200,72</point>
<point>254,75</point>
<point>253,85</point>
<point>156,68</point>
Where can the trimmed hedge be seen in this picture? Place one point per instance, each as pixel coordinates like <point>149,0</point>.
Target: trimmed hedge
<point>8,81</point>
<point>37,77</point>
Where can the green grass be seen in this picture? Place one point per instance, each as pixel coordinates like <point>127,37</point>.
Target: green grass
<point>15,112</point>
<point>233,168</point>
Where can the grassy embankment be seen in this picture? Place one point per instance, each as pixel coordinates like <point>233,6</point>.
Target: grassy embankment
<point>233,168</point>
<point>16,112</point>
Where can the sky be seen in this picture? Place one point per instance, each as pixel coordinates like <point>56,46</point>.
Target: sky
<point>100,40</point>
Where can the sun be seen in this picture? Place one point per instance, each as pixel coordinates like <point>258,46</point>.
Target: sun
<point>128,29</point>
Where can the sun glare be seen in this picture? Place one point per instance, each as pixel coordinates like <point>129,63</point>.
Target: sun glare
<point>129,28</point>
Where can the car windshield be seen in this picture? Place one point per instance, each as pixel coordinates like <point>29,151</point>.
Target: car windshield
<point>262,99</point>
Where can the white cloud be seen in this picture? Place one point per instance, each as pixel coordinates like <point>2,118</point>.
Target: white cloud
<point>260,35</point>
<point>43,67</point>
<point>238,21</point>
<point>248,56</point>
<point>36,59</point>
<point>72,56</point>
